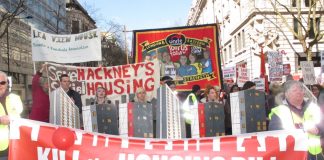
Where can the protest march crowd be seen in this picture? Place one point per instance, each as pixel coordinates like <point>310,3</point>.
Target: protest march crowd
<point>288,105</point>
<point>285,104</point>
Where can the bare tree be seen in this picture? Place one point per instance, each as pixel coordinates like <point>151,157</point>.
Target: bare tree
<point>8,16</point>
<point>112,43</point>
<point>59,18</point>
<point>307,31</point>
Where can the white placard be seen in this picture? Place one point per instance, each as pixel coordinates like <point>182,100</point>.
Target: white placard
<point>308,72</point>
<point>242,76</point>
<point>74,48</point>
<point>229,73</point>
<point>259,83</point>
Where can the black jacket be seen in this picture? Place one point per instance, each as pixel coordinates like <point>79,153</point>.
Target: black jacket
<point>76,97</point>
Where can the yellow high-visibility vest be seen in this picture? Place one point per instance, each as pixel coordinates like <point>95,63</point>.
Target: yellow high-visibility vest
<point>14,108</point>
<point>289,118</point>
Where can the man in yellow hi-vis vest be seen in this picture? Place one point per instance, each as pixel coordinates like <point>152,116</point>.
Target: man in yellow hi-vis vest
<point>10,106</point>
<point>294,112</point>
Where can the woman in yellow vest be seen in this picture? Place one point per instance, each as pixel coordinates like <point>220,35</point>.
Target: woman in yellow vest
<point>294,112</point>
<point>10,106</point>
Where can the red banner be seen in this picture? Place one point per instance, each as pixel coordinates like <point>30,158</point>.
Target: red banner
<point>41,141</point>
<point>190,55</point>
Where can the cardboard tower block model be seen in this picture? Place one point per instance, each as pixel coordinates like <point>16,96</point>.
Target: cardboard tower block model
<point>63,111</point>
<point>169,122</point>
<point>101,118</point>
<point>248,111</point>
<point>208,120</point>
<point>136,120</point>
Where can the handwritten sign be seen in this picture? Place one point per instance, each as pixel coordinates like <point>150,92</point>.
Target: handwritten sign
<point>308,72</point>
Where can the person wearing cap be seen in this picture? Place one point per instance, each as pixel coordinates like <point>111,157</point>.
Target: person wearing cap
<point>10,107</point>
<point>165,79</point>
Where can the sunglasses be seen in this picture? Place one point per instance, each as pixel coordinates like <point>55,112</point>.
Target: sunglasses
<point>3,82</point>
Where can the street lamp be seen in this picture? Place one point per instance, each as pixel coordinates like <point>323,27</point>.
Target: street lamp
<point>8,54</point>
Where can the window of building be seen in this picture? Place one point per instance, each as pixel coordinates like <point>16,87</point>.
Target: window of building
<point>311,31</point>
<point>75,27</point>
<point>243,39</point>
<point>230,52</point>
<point>239,41</point>
<point>307,2</point>
<point>293,3</point>
<point>296,24</point>
<point>235,44</point>
<point>85,27</point>
<point>225,55</point>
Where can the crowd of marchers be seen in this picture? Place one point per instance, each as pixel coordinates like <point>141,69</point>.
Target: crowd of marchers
<point>287,107</point>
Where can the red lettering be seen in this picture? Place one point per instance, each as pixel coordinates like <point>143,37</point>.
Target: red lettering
<point>149,69</point>
<point>117,72</point>
<point>98,76</point>
<point>149,84</point>
<point>125,71</point>
<point>107,74</point>
<point>90,88</point>
<point>119,84</point>
<point>128,88</point>
<point>137,84</point>
<point>136,68</point>
<point>90,74</point>
<point>109,88</point>
<point>80,74</point>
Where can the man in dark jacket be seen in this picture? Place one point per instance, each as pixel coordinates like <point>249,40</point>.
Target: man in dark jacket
<point>75,96</point>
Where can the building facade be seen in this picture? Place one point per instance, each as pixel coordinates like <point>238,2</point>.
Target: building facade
<point>78,20</point>
<point>249,26</point>
<point>48,16</point>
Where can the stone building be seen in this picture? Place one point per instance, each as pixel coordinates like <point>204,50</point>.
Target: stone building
<point>78,20</point>
<point>247,26</point>
<point>48,16</point>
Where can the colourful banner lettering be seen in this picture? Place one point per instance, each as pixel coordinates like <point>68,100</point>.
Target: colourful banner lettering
<point>190,55</point>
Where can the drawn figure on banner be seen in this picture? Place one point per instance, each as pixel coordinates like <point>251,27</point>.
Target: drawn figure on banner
<point>193,62</point>
<point>150,55</point>
<point>168,68</point>
<point>206,62</point>
<point>185,69</point>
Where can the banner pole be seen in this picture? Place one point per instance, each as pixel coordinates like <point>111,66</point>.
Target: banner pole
<point>34,65</point>
<point>126,51</point>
